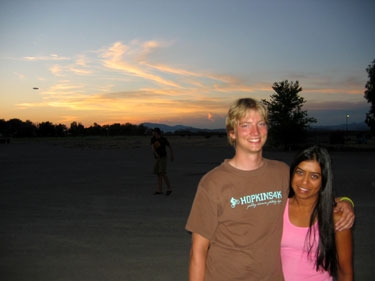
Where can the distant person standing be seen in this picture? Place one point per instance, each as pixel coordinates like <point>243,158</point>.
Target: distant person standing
<point>159,146</point>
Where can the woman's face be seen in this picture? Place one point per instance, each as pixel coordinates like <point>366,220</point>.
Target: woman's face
<point>307,180</point>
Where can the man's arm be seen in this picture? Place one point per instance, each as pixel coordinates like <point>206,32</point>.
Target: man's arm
<point>347,218</point>
<point>171,151</point>
<point>154,151</point>
<point>198,255</point>
<point>344,247</point>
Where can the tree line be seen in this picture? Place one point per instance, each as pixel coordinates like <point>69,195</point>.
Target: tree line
<point>18,129</point>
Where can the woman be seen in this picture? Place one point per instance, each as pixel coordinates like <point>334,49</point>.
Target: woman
<point>310,247</point>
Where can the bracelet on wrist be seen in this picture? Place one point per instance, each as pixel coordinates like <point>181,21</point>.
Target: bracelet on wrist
<point>347,199</point>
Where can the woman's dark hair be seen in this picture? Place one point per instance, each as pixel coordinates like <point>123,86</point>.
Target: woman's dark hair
<point>323,211</point>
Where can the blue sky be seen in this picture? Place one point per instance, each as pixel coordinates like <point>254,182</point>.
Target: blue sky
<point>180,62</point>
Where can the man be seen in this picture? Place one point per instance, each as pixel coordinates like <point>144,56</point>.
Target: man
<point>236,217</point>
<point>159,145</point>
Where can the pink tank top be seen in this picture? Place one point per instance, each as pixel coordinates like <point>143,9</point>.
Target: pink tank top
<point>297,264</point>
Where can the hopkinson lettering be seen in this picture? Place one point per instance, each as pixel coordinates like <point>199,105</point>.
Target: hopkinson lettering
<point>254,198</point>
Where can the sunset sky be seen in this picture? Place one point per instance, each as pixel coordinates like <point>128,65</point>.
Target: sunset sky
<point>180,62</point>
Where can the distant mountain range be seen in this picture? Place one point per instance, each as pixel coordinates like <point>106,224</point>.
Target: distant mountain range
<point>342,127</point>
<point>171,129</point>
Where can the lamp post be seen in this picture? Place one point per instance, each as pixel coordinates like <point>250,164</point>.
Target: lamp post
<point>347,118</point>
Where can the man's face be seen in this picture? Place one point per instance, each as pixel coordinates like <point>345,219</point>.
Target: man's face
<point>250,133</point>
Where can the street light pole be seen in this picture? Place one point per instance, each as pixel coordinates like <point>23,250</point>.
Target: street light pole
<point>347,118</point>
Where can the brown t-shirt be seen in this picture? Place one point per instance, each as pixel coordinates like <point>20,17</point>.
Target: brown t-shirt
<point>241,213</point>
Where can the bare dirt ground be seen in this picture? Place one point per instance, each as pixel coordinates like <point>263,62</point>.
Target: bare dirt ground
<point>83,209</point>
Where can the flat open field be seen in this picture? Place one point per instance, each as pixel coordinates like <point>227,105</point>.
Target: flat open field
<point>82,209</point>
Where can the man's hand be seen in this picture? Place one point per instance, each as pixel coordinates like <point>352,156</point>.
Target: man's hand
<point>347,218</point>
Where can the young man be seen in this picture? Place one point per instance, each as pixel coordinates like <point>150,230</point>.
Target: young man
<point>159,145</point>
<point>237,214</point>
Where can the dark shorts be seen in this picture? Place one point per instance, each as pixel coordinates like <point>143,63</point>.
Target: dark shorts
<point>160,166</point>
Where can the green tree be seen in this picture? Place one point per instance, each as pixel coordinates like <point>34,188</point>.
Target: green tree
<point>76,129</point>
<point>370,96</point>
<point>288,122</point>
<point>46,129</point>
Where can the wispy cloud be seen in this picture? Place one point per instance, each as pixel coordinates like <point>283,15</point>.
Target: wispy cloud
<point>116,58</point>
<point>52,57</point>
<point>340,89</point>
<point>19,75</point>
<point>56,70</point>
<point>334,105</point>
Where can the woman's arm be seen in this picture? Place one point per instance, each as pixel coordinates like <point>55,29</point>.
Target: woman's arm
<point>344,246</point>
<point>198,254</point>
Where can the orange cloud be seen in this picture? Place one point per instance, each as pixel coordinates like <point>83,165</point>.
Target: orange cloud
<point>114,59</point>
<point>210,117</point>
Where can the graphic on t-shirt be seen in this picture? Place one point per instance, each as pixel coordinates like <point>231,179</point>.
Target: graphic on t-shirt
<point>234,202</point>
<point>259,199</point>
<point>156,144</point>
